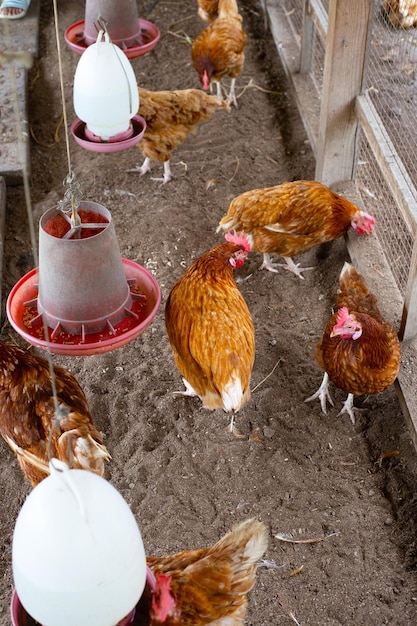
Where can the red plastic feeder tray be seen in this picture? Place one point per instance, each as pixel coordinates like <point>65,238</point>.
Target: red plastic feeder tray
<point>84,296</point>
<point>149,35</point>
<point>90,142</point>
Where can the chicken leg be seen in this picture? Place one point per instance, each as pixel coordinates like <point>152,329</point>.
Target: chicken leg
<point>289,265</point>
<point>349,408</point>
<point>146,167</point>
<point>323,394</point>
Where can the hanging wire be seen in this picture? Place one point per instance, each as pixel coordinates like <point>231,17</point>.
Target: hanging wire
<point>61,412</point>
<point>73,193</point>
<point>61,82</point>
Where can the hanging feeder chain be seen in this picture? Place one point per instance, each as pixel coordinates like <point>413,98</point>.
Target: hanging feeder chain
<point>71,200</point>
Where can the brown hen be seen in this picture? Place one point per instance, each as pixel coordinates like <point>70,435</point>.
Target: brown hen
<point>209,586</point>
<point>290,218</point>
<point>27,416</point>
<point>170,117</point>
<point>360,350</point>
<point>210,328</point>
<point>218,50</point>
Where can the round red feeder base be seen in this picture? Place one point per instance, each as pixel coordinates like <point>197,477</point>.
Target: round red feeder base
<point>150,35</point>
<point>88,141</point>
<point>22,312</point>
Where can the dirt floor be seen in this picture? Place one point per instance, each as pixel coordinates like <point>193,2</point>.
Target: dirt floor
<point>185,477</point>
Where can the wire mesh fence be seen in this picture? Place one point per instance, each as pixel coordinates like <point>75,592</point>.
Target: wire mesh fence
<point>391,83</point>
<point>392,231</point>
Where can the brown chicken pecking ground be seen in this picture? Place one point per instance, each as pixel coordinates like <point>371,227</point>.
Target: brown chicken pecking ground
<point>188,480</point>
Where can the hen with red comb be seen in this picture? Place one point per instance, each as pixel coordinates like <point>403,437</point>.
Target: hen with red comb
<point>360,350</point>
<point>209,585</point>
<point>210,328</point>
<point>292,217</point>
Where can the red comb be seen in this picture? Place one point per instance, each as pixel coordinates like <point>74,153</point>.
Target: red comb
<point>342,315</point>
<point>240,239</point>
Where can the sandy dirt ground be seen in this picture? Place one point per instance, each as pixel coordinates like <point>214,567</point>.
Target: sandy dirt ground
<point>187,479</point>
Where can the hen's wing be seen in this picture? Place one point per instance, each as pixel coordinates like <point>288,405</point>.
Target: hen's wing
<point>302,208</point>
<point>289,218</point>
<point>171,116</point>
<point>212,336</point>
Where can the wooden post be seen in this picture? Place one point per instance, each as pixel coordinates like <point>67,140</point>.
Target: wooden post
<point>346,45</point>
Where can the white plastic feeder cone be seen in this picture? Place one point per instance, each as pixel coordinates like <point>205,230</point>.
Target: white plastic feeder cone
<point>106,95</point>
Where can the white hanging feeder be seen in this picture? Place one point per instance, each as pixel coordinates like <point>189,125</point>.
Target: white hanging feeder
<point>106,99</point>
<point>78,556</point>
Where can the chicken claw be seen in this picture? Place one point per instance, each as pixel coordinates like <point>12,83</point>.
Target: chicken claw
<point>350,409</point>
<point>167,174</point>
<point>231,98</point>
<point>189,391</point>
<point>289,265</point>
<point>142,169</point>
<point>323,394</point>
<point>268,264</point>
<point>146,167</point>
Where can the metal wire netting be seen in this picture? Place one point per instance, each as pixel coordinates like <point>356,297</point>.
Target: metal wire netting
<point>391,85</point>
<point>317,67</point>
<point>293,10</point>
<point>391,229</point>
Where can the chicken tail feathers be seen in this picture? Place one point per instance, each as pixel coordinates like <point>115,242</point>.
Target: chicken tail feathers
<point>82,451</point>
<point>354,293</point>
<point>243,547</point>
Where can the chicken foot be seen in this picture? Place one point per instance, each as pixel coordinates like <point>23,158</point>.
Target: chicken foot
<point>289,265</point>
<point>231,97</point>
<point>142,169</point>
<point>189,391</point>
<point>167,173</point>
<point>323,394</point>
<point>146,167</point>
<point>350,409</point>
